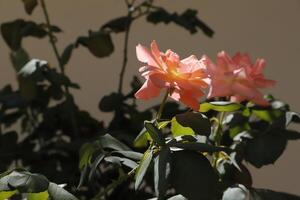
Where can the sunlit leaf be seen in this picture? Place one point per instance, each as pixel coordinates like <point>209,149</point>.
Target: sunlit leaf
<point>221,106</point>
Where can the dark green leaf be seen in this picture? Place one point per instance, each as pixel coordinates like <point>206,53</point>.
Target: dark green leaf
<point>130,154</point>
<point>66,55</point>
<point>12,33</point>
<point>95,164</point>
<point>111,102</point>
<point>201,147</point>
<point>155,133</point>
<point>58,193</point>
<point>30,5</point>
<point>107,141</point>
<point>143,137</point>
<point>162,165</point>
<point>121,161</point>
<point>196,121</point>
<point>118,25</point>
<point>99,43</point>
<point>237,192</point>
<point>265,148</point>
<point>83,174</point>
<point>193,176</point>
<point>27,182</point>
<point>187,20</point>
<point>221,106</point>
<point>142,168</point>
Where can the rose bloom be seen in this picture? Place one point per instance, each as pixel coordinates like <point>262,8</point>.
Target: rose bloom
<point>184,79</point>
<point>237,77</point>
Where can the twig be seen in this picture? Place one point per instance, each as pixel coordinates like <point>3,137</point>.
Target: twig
<point>62,69</point>
<point>114,184</point>
<point>125,52</point>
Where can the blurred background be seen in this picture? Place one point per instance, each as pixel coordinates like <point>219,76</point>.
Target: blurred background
<point>267,29</point>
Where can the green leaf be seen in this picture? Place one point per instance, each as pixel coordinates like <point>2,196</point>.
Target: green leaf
<point>162,171</point>
<point>221,106</point>
<point>111,102</point>
<point>107,141</point>
<point>155,133</point>
<point>187,20</point>
<point>118,25</point>
<point>142,168</point>
<point>30,5</point>
<point>85,154</point>
<point>58,193</point>
<point>265,148</point>
<point>4,195</point>
<point>198,122</point>
<point>179,130</point>
<point>267,115</point>
<point>200,147</point>
<point>38,196</point>
<point>99,43</point>
<point>26,182</point>
<point>66,55</point>
<point>143,137</point>
<point>193,176</point>
<point>95,164</point>
<point>14,31</point>
<point>129,154</point>
<point>237,192</point>
<point>121,161</point>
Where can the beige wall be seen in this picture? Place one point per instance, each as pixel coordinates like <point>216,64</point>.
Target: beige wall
<point>263,28</point>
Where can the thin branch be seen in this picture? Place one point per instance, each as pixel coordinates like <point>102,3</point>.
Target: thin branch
<point>114,184</point>
<point>62,69</point>
<point>125,52</point>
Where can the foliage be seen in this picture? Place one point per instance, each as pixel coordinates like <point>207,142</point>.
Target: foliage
<point>179,154</point>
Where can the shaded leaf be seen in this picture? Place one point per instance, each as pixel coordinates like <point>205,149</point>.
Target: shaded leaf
<point>95,164</point>
<point>30,5</point>
<point>107,141</point>
<point>121,161</point>
<point>111,102</point>
<point>193,176</point>
<point>130,154</point>
<point>162,165</point>
<point>143,137</point>
<point>58,193</point>
<point>26,182</point>
<point>201,147</point>
<point>118,25</point>
<point>265,149</point>
<point>99,43</point>
<point>66,55</point>
<point>196,121</point>
<point>155,133</point>
<point>142,168</point>
<point>237,192</point>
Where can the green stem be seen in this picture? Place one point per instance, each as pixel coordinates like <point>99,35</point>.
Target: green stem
<point>114,184</point>
<point>162,105</point>
<point>218,136</point>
